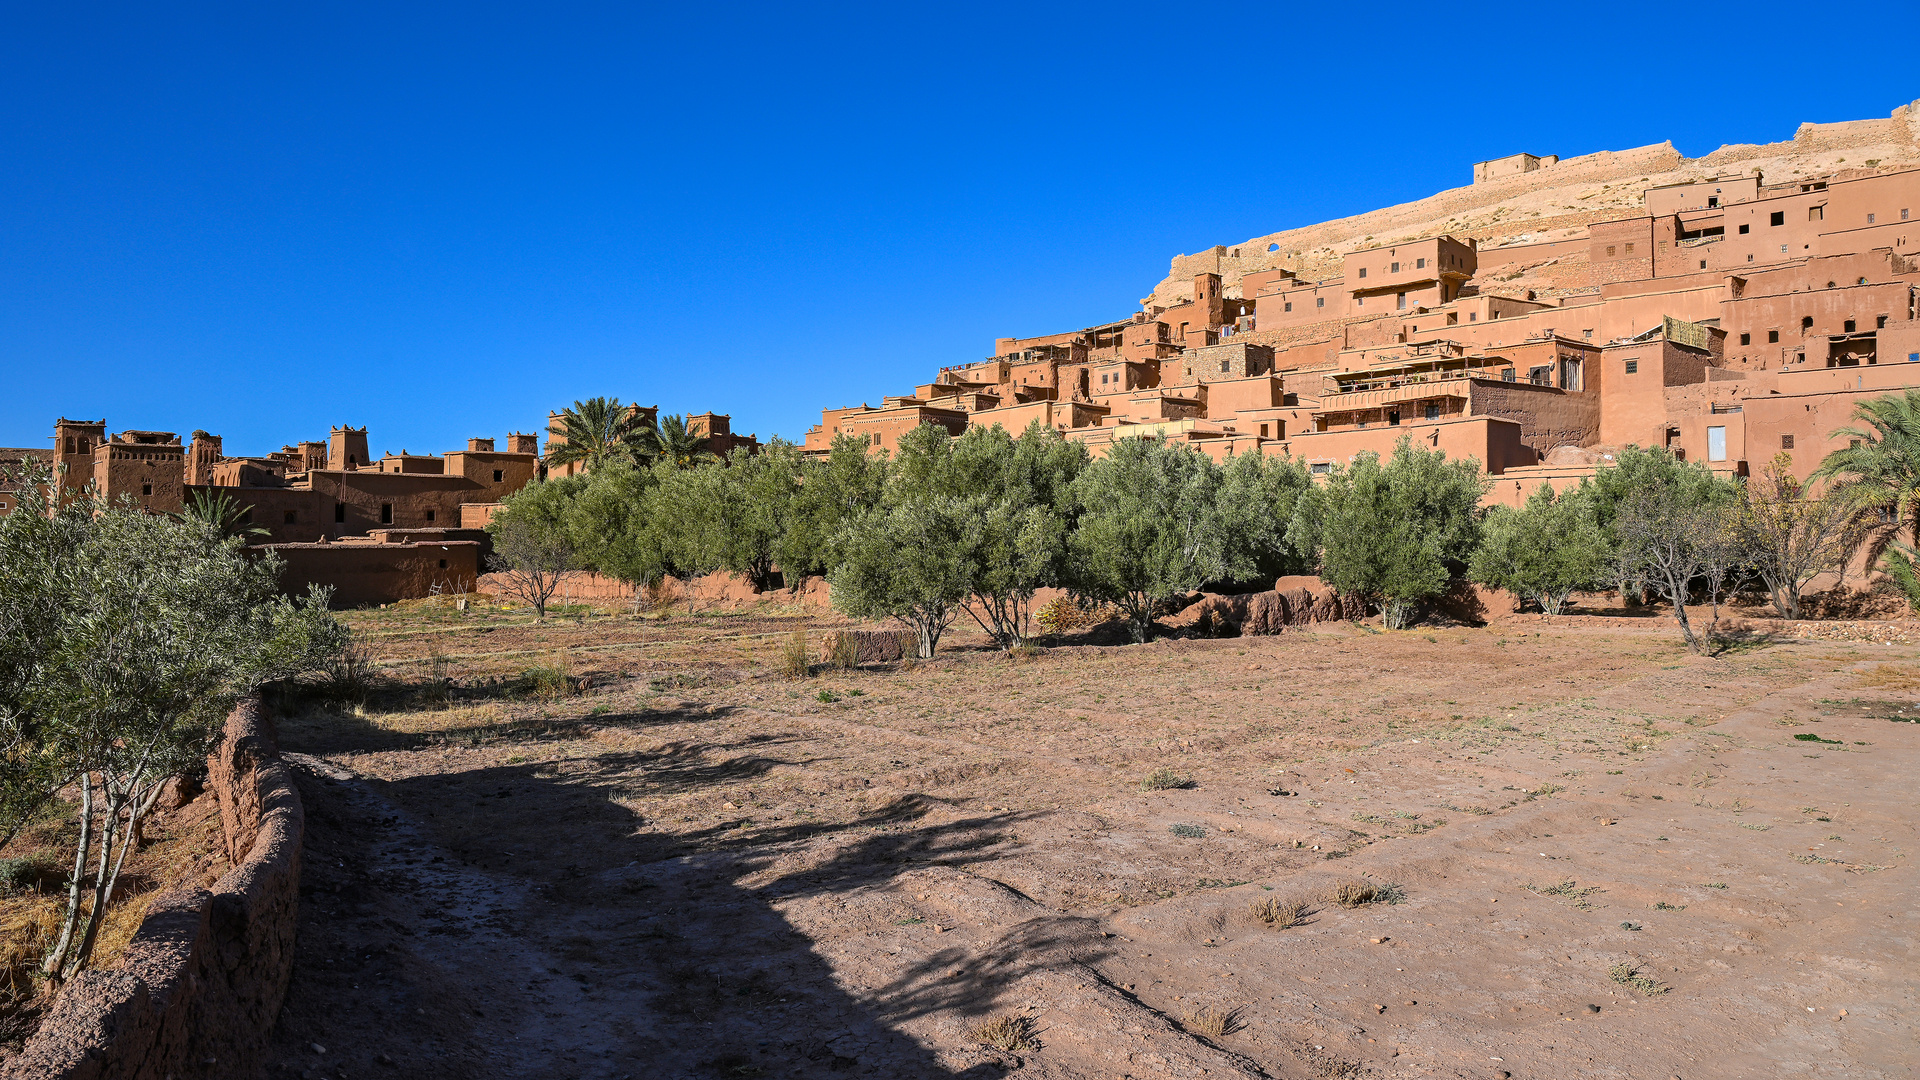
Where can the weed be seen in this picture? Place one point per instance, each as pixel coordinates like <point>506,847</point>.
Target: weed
<point>1662,905</point>
<point>1008,1031</point>
<point>1281,914</point>
<point>350,674</point>
<point>914,921</point>
<point>1616,772</point>
<point>1629,926</point>
<point>1568,890</point>
<point>856,693</point>
<point>1713,884</point>
<point>517,759</point>
<point>548,682</point>
<point>1808,736</point>
<point>1218,883</point>
<point>600,710</point>
<point>1190,832</point>
<point>1211,1021</point>
<point>1165,779</point>
<point>1627,974</point>
<point>796,657</point>
<point>827,696</point>
<point>1755,828</point>
<point>29,873</point>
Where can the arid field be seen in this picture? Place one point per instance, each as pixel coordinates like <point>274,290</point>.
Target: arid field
<point>641,847</point>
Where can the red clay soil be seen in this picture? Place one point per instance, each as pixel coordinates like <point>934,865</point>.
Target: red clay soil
<point>1595,855</point>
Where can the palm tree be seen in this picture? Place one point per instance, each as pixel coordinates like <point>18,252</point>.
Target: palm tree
<point>679,442</point>
<point>222,511</point>
<point>1879,474</point>
<point>1880,471</point>
<point>598,430</point>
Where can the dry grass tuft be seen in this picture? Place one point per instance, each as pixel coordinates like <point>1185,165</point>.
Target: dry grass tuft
<point>1627,974</point>
<point>1211,1021</point>
<point>1355,892</point>
<point>1281,914</point>
<point>1008,1031</point>
<point>552,680</point>
<point>796,658</point>
<point>1892,677</point>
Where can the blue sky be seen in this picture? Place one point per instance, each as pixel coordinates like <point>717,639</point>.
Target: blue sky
<point>440,221</point>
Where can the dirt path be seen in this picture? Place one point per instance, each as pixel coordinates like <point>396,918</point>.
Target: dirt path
<point>755,879</point>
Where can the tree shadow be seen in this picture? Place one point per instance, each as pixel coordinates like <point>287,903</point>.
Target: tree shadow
<point>685,920</point>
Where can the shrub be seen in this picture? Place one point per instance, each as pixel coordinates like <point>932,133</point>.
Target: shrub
<point>1165,779</point>
<point>1281,914</point>
<point>29,873</point>
<point>1357,892</point>
<point>796,660</point>
<point>1008,1031</point>
<point>1211,1021</point>
<point>548,682</point>
<point>1627,974</point>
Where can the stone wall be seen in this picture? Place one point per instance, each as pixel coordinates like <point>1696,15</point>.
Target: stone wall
<point>201,982</point>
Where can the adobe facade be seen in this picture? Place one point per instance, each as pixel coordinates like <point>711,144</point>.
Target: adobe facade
<point>1727,317</point>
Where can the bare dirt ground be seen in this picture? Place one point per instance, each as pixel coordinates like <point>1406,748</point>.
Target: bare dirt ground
<point>1597,856</point>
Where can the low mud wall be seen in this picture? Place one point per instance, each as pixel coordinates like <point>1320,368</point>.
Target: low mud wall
<point>199,987</point>
<point>1293,601</point>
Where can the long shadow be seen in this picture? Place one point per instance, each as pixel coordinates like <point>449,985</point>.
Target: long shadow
<point>655,921</point>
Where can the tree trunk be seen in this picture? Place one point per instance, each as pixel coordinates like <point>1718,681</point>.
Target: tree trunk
<point>56,958</point>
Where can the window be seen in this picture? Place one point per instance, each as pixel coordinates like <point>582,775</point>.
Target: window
<point>1786,442</point>
<point>499,475</point>
<point>1431,411</point>
<point>1816,213</point>
<point>386,513</point>
<point>339,513</point>
<point>1716,444</point>
<point>1473,316</point>
<point>1263,431</point>
<point>1183,331</point>
<point>146,489</point>
<point>1847,327</point>
<point>429,515</point>
<point>1783,249</point>
<point>443,564</point>
<point>1288,306</point>
<point>1869,219</point>
<point>1633,367</point>
<point>291,518</point>
<point>1223,367</point>
<point>1773,336</point>
<point>1319,301</point>
<point>1321,468</point>
<point>1779,217</point>
<point>1359,301</point>
<point>1746,339</point>
<point>1903,215</point>
<point>1541,376</point>
<point>1629,249</point>
<point>1363,271</point>
<point>1609,251</point>
<point>1880,323</point>
<point>1743,230</point>
<point>1400,301</point>
<point>1394,269</point>
<point>1703,264</point>
<point>1506,374</point>
<point>1419,264</point>
<point>1713,200</point>
<point>1806,322</point>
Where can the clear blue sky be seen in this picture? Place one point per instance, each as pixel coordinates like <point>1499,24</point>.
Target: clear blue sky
<point>440,221</point>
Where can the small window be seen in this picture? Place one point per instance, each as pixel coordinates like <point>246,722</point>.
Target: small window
<point>1746,339</point>
<point>1786,442</point>
<point>1319,301</point>
<point>291,518</point>
<point>1506,375</point>
<point>1610,251</point>
<point>1359,301</point>
<point>1743,230</point>
<point>386,513</point>
<point>1783,249</point>
<point>1321,468</point>
<point>429,515</point>
<point>1431,411</point>
<point>1880,323</point>
<point>1263,431</point>
<point>1288,306</point>
<point>1806,322</point>
<point>1779,217</point>
<point>1869,219</point>
<point>1848,326</point>
<point>1773,336</point>
<point>339,513</point>
<point>1703,264</point>
<point>1633,367</point>
<point>1816,213</point>
<point>1223,367</point>
<point>443,564</point>
<point>1393,418</point>
<point>1363,271</point>
<point>1473,316</point>
<point>1400,301</point>
<point>146,489</point>
<point>499,475</point>
<point>1629,250</point>
<point>1716,444</point>
<point>1394,269</point>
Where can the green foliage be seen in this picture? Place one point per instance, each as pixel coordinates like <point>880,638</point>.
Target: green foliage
<point>833,492</point>
<point>1670,536</point>
<point>1262,500</point>
<point>1794,536</point>
<point>1152,525</point>
<point>1543,551</point>
<point>533,540</point>
<point>677,443</point>
<point>1396,533</point>
<point>1880,469</point>
<point>220,510</point>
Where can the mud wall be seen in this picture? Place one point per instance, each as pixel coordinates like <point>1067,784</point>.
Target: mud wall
<point>198,989</point>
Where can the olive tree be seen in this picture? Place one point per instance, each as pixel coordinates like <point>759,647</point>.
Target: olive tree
<point>533,546</point>
<point>1395,533</point>
<point>905,562</point>
<point>1794,535</point>
<point>149,629</point>
<point>1543,551</point>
